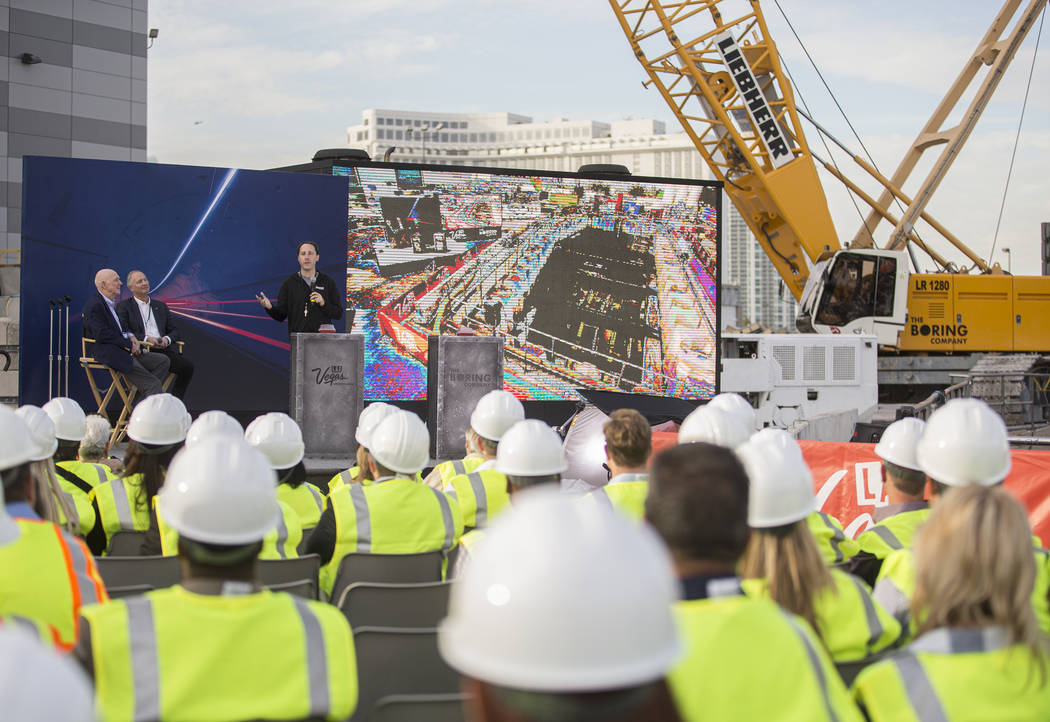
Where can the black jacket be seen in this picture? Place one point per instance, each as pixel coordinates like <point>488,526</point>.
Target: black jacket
<point>131,317</point>
<point>302,317</point>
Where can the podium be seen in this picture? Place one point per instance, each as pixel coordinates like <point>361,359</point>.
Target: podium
<point>460,370</point>
<point>326,392</point>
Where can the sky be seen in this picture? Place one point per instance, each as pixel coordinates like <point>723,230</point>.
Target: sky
<point>265,83</point>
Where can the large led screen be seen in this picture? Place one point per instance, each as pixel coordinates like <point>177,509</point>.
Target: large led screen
<point>592,283</point>
<point>208,239</point>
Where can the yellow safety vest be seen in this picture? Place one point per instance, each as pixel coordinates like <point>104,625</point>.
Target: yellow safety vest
<point>121,505</point>
<point>282,542</point>
<point>625,493</point>
<point>175,655</point>
<point>481,494</point>
<point>896,586</point>
<point>835,547</point>
<point>895,532</point>
<point>851,623</point>
<point>450,469</point>
<point>305,499</point>
<point>747,659</point>
<point>346,476</point>
<point>48,575</point>
<point>392,516</point>
<point>85,477</point>
<point>94,474</point>
<point>956,674</point>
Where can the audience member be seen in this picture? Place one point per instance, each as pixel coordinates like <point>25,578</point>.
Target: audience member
<point>628,443</point>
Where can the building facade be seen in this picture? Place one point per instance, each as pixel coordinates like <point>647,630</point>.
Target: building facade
<point>508,140</point>
<point>74,85</point>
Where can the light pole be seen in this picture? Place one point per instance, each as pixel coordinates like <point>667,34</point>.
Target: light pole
<point>422,131</point>
<point>1009,261</point>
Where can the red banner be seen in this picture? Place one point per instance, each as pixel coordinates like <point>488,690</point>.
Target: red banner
<point>848,482</point>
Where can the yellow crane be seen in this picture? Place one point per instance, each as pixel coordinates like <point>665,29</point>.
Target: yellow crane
<point>717,68</point>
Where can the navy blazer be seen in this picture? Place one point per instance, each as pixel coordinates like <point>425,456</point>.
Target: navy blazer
<point>130,316</point>
<point>111,348</point>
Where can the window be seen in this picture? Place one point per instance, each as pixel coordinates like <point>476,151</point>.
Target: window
<point>857,286</point>
<point>443,137</point>
<point>417,123</point>
<point>380,134</point>
<point>399,135</point>
<point>473,138</point>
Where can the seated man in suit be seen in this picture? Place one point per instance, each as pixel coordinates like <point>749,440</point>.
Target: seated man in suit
<point>150,321</point>
<point>115,345</point>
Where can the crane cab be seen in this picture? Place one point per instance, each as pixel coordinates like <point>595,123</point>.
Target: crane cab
<point>863,291</point>
<point>871,291</point>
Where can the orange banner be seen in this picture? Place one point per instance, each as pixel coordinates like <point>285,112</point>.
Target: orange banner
<point>847,479</point>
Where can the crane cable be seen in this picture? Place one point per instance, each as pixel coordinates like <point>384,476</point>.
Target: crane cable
<point>1017,137</point>
<point>841,111</point>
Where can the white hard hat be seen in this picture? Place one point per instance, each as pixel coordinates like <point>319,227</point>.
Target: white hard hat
<point>38,683</point>
<point>563,597</point>
<point>278,437</point>
<point>965,442</point>
<point>713,426</point>
<point>781,485</point>
<point>401,443</point>
<point>530,448</point>
<point>779,438</point>
<point>159,419</point>
<point>16,445</point>
<point>899,441</point>
<point>214,424</point>
<point>220,492</point>
<point>369,420</point>
<point>495,413</point>
<point>69,418</point>
<point>41,432</point>
<point>737,405</point>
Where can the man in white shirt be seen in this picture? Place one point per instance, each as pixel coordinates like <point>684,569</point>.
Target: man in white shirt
<point>150,321</point>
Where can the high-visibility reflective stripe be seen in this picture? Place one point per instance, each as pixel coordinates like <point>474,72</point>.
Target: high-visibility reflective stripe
<point>363,520</point>
<point>459,468</point>
<point>818,669</point>
<point>145,668</point>
<point>282,536</point>
<point>481,499</point>
<point>120,500</point>
<point>100,469</point>
<point>446,518</point>
<point>602,497</point>
<point>316,660</point>
<point>88,592</point>
<point>74,512</point>
<point>893,600</point>
<point>919,689</point>
<point>346,476</point>
<point>837,537</point>
<point>875,628</point>
<point>318,499</point>
<point>962,641</point>
<point>887,536</point>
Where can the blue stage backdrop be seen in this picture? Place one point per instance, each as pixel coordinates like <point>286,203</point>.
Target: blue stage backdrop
<point>208,239</point>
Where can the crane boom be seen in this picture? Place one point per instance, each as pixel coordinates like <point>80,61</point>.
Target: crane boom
<point>724,82</point>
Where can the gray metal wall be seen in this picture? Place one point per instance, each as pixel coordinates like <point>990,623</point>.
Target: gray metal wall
<point>86,99</point>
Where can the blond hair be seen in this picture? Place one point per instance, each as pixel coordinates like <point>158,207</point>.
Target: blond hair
<point>975,567</point>
<point>52,502</point>
<point>788,559</point>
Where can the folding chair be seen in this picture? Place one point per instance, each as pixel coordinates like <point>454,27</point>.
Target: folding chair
<point>297,575</point>
<point>118,383</point>
<point>124,576</point>
<point>396,662</point>
<point>413,707</point>
<point>397,568</point>
<point>125,543</point>
<point>375,604</point>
